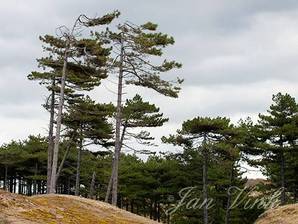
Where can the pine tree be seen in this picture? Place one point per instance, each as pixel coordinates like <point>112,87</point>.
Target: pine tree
<point>278,130</point>
<point>88,122</point>
<point>201,134</point>
<point>133,48</point>
<point>80,63</point>
<point>137,114</point>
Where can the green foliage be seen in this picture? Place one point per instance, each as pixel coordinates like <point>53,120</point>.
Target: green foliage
<point>89,120</point>
<point>139,114</point>
<point>277,134</point>
<point>194,130</point>
<point>104,20</point>
<point>139,45</point>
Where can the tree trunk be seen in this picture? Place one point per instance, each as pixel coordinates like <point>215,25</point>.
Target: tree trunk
<point>77,190</point>
<point>63,161</point>
<point>51,137</point>
<point>228,210</point>
<point>5,177</point>
<point>109,188</point>
<point>68,185</point>
<point>92,185</point>
<point>58,126</point>
<point>205,181</point>
<point>131,206</point>
<point>126,204</point>
<point>282,176</point>
<point>34,181</point>
<point>14,185</point>
<point>158,212</point>
<point>151,210</point>
<point>118,131</point>
<point>155,211</point>
<point>20,186</point>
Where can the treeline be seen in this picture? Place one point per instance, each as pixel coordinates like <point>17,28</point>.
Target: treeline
<point>213,152</point>
<point>147,188</point>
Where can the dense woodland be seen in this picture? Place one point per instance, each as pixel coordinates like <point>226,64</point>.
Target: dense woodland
<point>83,151</point>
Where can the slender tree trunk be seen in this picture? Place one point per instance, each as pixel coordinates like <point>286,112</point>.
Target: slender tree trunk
<point>20,186</point>
<point>11,184</point>
<point>158,212</point>
<point>63,161</point>
<point>109,188</point>
<point>5,177</point>
<point>77,189</point>
<point>68,185</point>
<point>228,210</point>
<point>30,187</point>
<point>155,210</point>
<point>92,185</point>
<point>118,129</point>
<point>151,209</point>
<point>51,137</point>
<point>126,204</point>
<point>205,181</point>
<point>14,185</point>
<point>39,187</point>
<point>35,182</point>
<point>131,206</point>
<point>282,175</point>
<point>58,126</point>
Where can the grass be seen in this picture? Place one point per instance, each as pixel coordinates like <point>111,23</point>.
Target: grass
<point>2,221</point>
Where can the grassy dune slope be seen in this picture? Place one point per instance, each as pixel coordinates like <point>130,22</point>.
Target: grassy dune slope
<point>51,209</point>
<point>287,214</point>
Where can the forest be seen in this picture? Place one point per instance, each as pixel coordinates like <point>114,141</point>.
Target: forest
<point>96,150</point>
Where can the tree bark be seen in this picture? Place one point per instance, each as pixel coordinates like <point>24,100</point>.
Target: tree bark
<point>92,185</point>
<point>109,188</point>
<point>205,181</point>
<point>228,210</point>
<point>63,161</point>
<point>58,126</point>
<point>5,177</point>
<point>118,127</point>
<point>282,176</point>
<point>35,182</point>
<point>77,189</point>
<point>158,212</point>
<point>51,137</point>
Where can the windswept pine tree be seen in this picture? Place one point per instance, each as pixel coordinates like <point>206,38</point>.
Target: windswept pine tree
<point>137,114</point>
<point>87,124</point>
<point>134,50</point>
<point>74,63</point>
<point>278,131</point>
<point>201,134</point>
<point>226,174</point>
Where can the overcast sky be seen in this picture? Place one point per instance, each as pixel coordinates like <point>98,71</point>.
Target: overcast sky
<point>235,55</point>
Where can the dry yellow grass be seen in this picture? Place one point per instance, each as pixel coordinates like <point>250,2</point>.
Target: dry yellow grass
<point>287,214</point>
<point>62,209</point>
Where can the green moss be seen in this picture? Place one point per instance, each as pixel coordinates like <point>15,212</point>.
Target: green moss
<point>2,221</point>
<point>66,210</point>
